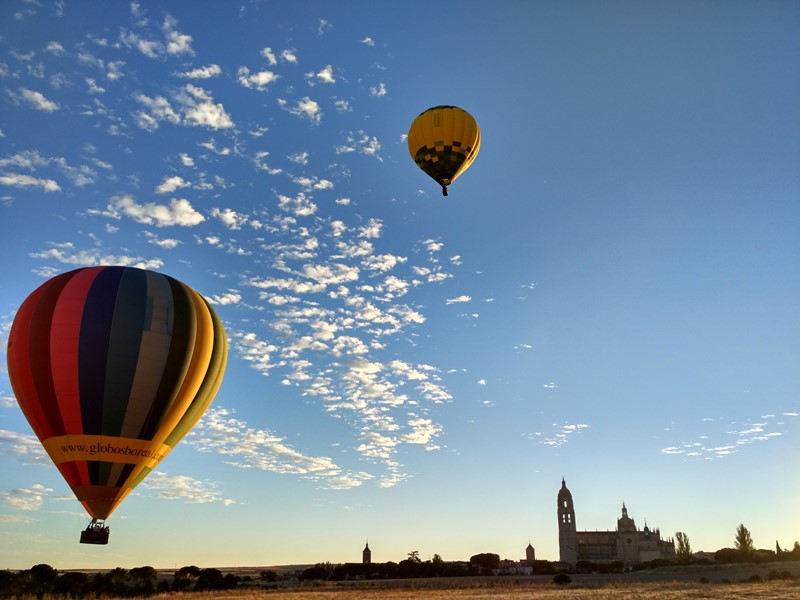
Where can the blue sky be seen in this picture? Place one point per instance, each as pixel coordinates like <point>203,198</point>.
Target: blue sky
<point>609,294</point>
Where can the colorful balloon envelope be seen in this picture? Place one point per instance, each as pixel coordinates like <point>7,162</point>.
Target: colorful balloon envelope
<point>443,141</point>
<point>112,366</point>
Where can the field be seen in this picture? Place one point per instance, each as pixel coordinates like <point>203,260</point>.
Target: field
<point>772,590</point>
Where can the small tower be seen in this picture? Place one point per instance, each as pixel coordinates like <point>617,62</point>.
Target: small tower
<point>567,532</point>
<point>366,555</point>
<point>530,554</point>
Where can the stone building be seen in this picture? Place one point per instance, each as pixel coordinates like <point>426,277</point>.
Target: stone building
<point>626,544</point>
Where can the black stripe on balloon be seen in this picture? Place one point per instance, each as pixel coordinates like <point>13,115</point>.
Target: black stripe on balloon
<point>123,476</point>
<point>123,348</point>
<point>98,316</point>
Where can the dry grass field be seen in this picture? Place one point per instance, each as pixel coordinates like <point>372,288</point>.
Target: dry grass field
<point>768,590</point>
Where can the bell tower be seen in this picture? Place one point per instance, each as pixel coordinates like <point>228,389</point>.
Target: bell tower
<point>366,555</point>
<point>567,532</point>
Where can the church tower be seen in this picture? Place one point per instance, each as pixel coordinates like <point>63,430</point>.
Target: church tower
<point>567,532</point>
<point>366,555</point>
<point>530,554</point>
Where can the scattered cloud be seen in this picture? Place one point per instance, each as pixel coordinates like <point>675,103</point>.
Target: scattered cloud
<point>190,106</point>
<point>561,434</point>
<point>378,91</point>
<point>248,448</point>
<point>719,439</point>
<point>22,499</point>
<point>66,253</point>
<point>305,108</point>
<point>185,489</point>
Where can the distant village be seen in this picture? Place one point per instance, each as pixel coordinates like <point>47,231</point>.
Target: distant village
<point>627,548</point>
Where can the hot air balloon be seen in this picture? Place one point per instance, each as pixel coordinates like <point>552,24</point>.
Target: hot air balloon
<point>112,366</point>
<point>443,141</point>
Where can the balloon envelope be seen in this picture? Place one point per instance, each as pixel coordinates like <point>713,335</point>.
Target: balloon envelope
<point>443,141</point>
<point>112,366</point>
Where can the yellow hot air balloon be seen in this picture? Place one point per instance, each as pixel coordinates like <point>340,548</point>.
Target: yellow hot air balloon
<point>443,141</point>
<point>112,366</point>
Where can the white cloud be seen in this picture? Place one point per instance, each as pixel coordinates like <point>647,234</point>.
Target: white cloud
<point>228,298</point>
<point>270,56</point>
<point>166,243</point>
<point>55,48</point>
<point>184,488</point>
<point>251,448</point>
<point>718,440</point>
<point>305,108</point>
<point>26,181</point>
<point>368,41</point>
<point>459,300</point>
<point>179,212</point>
<point>195,107</point>
<point>200,110</point>
<point>170,184</point>
<point>22,499</point>
<point>177,43</point>
<point>24,447</point>
<point>300,205</point>
<point>362,143</point>
<point>562,433</point>
<point>378,91</point>
<point>323,76</point>
<point>301,158</point>
<point>67,254</point>
<point>289,56</point>
<point>231,218</point>
<point>206,72</point>
<point>37,100</point>
<point>258,81</point>
<point>157,109</point>
<point>173,43</point>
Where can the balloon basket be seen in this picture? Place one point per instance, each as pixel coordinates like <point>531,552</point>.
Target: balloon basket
<point>95,533</point>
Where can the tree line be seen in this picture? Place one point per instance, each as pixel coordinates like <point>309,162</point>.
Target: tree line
<point>743,551</point>
<point>42,579</point>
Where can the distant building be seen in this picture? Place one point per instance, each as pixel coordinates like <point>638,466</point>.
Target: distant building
<point>530,554</point>
<point>366,555</point>
<point>626,544</point>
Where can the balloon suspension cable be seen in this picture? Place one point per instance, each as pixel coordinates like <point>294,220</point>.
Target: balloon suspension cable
<point>444,190</point>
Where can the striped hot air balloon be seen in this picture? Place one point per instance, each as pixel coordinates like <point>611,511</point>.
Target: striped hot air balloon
<point>443,141</point>
<point>112,366</point>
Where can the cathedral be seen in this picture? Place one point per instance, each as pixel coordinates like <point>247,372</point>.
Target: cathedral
<point>626,544</point>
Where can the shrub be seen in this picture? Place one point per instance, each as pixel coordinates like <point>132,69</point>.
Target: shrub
<point>562,579</point>
<point>774,574</point>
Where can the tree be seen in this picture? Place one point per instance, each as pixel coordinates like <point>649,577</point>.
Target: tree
<point>145,579</point>
<point>485,562</point>
<point>683,553</point>
<point>413,556</point>
<point>744,541</point>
